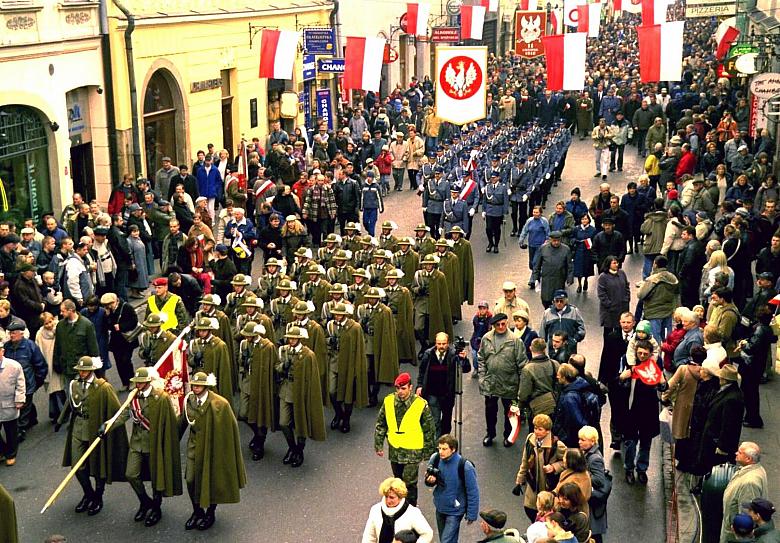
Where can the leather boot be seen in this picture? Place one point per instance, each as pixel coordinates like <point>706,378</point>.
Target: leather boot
<point>144,507</point>
<point>207,521</point>
<point>86,486</point>
<point>288,435</point>
<point>338,413</point>
<point>259,451</point>
<point>197,514</point>
<point>155,514</point>
<point>345,421</point>
<point>297,460</point>
<point>96,505</point>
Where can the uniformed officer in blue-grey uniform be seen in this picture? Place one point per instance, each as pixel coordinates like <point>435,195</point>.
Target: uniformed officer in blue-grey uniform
<point>456,212</point>
<point>434,192</point>
<point>495,206</point>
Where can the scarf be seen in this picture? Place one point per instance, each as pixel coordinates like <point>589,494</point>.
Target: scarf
<point>388,521</point>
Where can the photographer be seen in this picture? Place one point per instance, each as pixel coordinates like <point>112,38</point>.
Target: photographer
<point>455,492</point>
<point>437,380</point>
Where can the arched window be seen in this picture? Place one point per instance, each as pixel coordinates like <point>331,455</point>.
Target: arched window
<point>162,116</point>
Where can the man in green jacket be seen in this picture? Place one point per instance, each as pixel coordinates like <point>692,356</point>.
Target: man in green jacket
<point>761,511</point>
<point>74,337</point>
<point>660,296</point>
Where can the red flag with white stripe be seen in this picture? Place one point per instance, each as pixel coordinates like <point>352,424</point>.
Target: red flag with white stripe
<point>172,369</point>
<point>363,63</point>
<point>654,12</point>
<point>589,19</point>
<point>417,19</point>
<point>472,20</point>
<point>278,49</point>
<point>630,6</point>
<point>565,57</point>
<point>726,35</point>
<point>528,5</point>
<point>660,52</point>
<point>490,5</point>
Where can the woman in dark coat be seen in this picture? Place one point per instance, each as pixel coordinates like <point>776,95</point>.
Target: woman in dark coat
<point>738,257</point>
<point>753,352</point>
<point>285,203</point>
<point>635,205</point>
<point>294,235</point>
<point>706,388</point>
<point>270,239</point>
<point>723,424</point>
<point>582,238</point>
<point>614,294</point>
<point>602,485</point>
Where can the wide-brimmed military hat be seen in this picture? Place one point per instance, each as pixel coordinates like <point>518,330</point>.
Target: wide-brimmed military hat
<point>206,323</point>
<point>303,308</point>
<point>389,224</point>
<point>86,363</point>
<point>339,309</point>
<point>341,254</point>
<point>284,284</point>
<point>296,332</point>
<point>252,329</point>
<point>373,292</point>
<point>211,299</point>
<point>395,273</point>
<point>241,279</point>
<point>360,272</point>
<point>203,380</point>
<point>303,252</point>
<point>430,259</point>
<point>382,253</point>
<point>253,301</point>
<point>338,288</point>
<point>333,238</point>
<point>421,227</point>
<point>456,230</point>
<point>143,375</point>
<point>441,242</point>
<point>405,241</point>
<point>315,269</point>
<point>155,319</point>
<point>272,262</point>
<point>351,227</point>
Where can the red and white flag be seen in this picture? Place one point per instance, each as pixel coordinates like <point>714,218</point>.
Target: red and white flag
<point>630,6</point>
<point>565,57</point>
<point>654,12</point>
<point>363,63</point>
<point>417,19</point>
<point>726,34</point>
<point>660,52</point>
<point>173,371</point>
<point>570,12</point>
<point>490,5</point>
<point>461,83</point>
<point>278,49</point>
<point>527,5</point>
<point>472,20</point>
<point>589,19</point>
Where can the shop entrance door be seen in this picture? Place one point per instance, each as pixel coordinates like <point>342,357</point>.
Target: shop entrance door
<point>83,170</point>
<point>227,125</point>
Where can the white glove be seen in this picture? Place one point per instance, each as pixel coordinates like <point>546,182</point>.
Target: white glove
<point>484,214</point>
<point>508,192</point>
<point>425,209</point>
<point>525,197</point>
<point>484,190</point>
<point>547,176</point>
<point>472,211</point>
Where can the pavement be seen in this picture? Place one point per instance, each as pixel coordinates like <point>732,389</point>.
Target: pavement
<point>328,498</point>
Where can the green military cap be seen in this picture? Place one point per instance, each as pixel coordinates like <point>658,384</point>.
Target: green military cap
<point>206,323</point>
<point>430,259</point>
<point>253,301</point>
<point>252,329</point>
<point>203,380</point>
<point>341,254</point>
<point>241,279</point>
<point>389,224</point>
<point>272,262</point>
<point>456,230</point>
<point>315,269</point>
<point>441,242</point>
<point>303,308</point>
<point>211,299</point>
<point>85,363</point>
<point>351,227</point>
<point>366,240</point>
<point>338,288</point>
<point>333,238</point>
<point>360,272</point>
<point>339,309</point>
<point>406,241</point>
<point>373,292</point>
<point>155,320</point>
<point>382,253</point>
<point>143,375</point>
<point>421,227</point>
<point>296,332</point>
<point>303,251</point>
<point>284,284</point>
<point>395,273</point>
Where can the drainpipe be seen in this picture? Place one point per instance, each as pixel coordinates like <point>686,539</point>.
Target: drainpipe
<point>335,25</point>
<point>108,81</point>
<point>131,80</point>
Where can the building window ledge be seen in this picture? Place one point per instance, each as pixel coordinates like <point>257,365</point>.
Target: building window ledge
<point>14,7</point>
<point>81,4</point>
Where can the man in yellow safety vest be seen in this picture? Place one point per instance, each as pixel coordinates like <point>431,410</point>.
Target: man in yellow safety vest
<point>169,304</point>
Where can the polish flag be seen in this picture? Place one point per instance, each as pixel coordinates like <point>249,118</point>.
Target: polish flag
<point>363,63</point>
<point>555,25</point>
<point>654,12</point>
<point>278,49</point>
<point>417,19</point>
<point>490,5</point>
<point>630,6</point>
<point>173,372</point>
<point>726,34</point>
<point>565,57</point>
<point>660,52</point>
<point>589,19</point>
<point>528,5</point>
<point>472,19</point>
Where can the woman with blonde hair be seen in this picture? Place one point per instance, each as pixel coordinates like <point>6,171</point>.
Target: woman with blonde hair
<point>294,235</point>
<point>393,514</point>
<point>545,506</point>
<point>718,263</point>
<point>44,339</point>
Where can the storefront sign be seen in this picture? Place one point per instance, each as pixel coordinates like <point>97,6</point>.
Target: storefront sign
<point>309,67</point>
<point>324,110</point>
<point>306,101</point>
<point>530,27</point>
<point>208,84</point>
<point>319,41</point>
<point>445,34</point>
<point>762,88</point>
<point>330,65</point>
<point>709,9</point>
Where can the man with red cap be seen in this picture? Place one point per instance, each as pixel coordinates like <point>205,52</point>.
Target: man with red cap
<point>405,420</point>
<point>168,303</point>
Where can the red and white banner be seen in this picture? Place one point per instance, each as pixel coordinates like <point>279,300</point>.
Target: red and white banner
<point>417,19</point>
<point>172,370</point>
<point>630,6</point>
<point>570,12</point>
<point>660,52</point>
<point>726,34</point>
<point>278,49</point>
<point>589,19</point>
<point>363,63</point>
<point>565,58</point>
<point>529,28</point>
<point>490,5</point>
<point>461,89</point>
<point>528,5</point>
<point>472,20</point>
<point>654,12</point>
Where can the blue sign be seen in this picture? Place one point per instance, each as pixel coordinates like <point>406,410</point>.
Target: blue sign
<point>330,65</point>
<point>306,100</point>
<point>324,108</point>
<point>309,67</point>
<point>319,41</point>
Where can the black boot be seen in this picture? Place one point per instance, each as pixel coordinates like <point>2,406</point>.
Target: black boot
<point>96,505</point>
<point>297,460</point>
<point>143,509</point>
<point>345,421</point>
<point>288,435</point>
<point>155,514</point>
<point>208,519</point>
<point>253,441</point>
<point>86,486</point>
<point>83,505</point>
<point>197,514</point>
<point>338,413</point>
<point>259,451</point>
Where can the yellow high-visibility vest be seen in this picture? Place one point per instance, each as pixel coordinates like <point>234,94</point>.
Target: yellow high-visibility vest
<point>169,309</point>
<point>409,435</point>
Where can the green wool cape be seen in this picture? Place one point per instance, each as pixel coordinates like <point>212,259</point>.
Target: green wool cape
<point>462,249</point>
<point>262,403</point>
<point>308,414</point>
<point>450,266</point>
<point>164,456</point>
<point>316,342</point>
<point>8,530</point>
<point>216,360</point>
<point>385,345</point>
<point>400,302</point>
<point>352,383</point>
<point>439,312</point>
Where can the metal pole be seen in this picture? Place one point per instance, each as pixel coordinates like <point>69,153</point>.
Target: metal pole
<point>459,402</point>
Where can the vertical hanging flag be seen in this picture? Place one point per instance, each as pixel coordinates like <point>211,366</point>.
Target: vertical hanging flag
<point>589,19</point>
<point>630,6</point>
<point>461,83</point>
<point>490,5</point>
<point>654,12</point>
<point>565,58</point>
<point>363,63</point>
<point>570,12</point>
<point>417,19</point>
<point>660,52</point>
<point>278,49</point>
<point>726,34</point>
<point>472,20</point>
<point>527,5</point>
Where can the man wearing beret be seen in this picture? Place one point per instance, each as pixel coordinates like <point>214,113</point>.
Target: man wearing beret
<point>170,304</point>
<point>405,420</point>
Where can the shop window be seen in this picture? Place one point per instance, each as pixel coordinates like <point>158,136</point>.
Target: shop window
<point>162,121</point>
<point>25,188</point>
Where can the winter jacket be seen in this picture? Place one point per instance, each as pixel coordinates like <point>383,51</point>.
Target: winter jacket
<point>568,320</point>
<point>347,194</point>
<point>454,497</point>
<point>209,184</point>
<point>660,293</point>
<point>535,232</point>
<point>500,365</point>
<point>30,357</point>
<point>538,378</point>
<point>614,296</point>
<point>570,415</point>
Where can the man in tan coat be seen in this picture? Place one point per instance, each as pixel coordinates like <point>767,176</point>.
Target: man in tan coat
<point>416,148</point>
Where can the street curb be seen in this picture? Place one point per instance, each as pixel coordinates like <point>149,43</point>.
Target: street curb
<point>682,517</point>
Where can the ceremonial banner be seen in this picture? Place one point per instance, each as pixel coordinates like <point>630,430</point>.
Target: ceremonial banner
<point>530,27</point>
<point>363,63</point>
<point>417,19</point>
<point>472,20</point>
<point>589,19</point>
<point>278,49</point>
<point>726,34</point>
<point>172,370</point>
<point>565,58</point>
<point>654,12</point>
<point>660,52</point>
<point>461,76</point>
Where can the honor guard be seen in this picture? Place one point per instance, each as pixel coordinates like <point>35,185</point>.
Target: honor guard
<point>351,239</point>
<point>280,308</point>
<point>386,239</point>
<point>300,396</point>
<point>519,182</point>
<point>461,247</point>
<point>241,292</point>
<point>315,289</point>
<point>347,367</point>
<point>434,192</point>
<point>381,347</point>
<point>268,281</point>
<point>340,272</point>
<point>360,285</point>
<point>450,267</point>
<point>208,309</point>
<point>338,295</point>
<point>496,205</point>
<point>300,264</point>
<point>315,339</point>
<point>154,341</point>
<point>215,469</point>
<point>365,255</point>
<point>407,260</point>
<point>210,354</point>
<point>326,253</point>
<point>380,267</point>
<point>171,304</point>
<point>431,303</point>
<point>253,312</point>
<point>399,300</point>
<point>456,211</point>
<point>259,358</point>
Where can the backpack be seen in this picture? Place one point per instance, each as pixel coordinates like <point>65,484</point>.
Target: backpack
<point>590,407</point>
<point>461,472</point>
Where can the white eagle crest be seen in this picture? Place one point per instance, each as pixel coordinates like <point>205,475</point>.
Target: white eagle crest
<point>531,29</point>
<point>461,80</point>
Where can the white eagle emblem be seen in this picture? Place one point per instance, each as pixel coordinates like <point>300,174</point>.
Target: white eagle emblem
<point>531,29</point>
<point>462,79</point>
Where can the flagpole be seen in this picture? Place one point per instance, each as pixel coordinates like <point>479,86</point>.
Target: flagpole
<point>109,423</point>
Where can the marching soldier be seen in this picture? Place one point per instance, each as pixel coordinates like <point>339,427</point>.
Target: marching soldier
<point>347,367</point>
<point>315,289</point>
<point>92,402</point>
<point>300,396</point>
<point>495,207</point>
<point>379,334</point>
<point>338,295</point>
<point>380,267</point>
<point>450,267</point>
<point>210,354</point>
<point>359,287</point>
<point>268,281</point>
<point>154,341</point>
<point>399,300</point>
<point>325,254</point>
<point>424,244</point>
<point>406,260</point>
<point>281,307</point>
<point>434,192</point>
<point>387,240</point>
<point>456,212</point>
<point>208,309</point>
<point>365,255</point>
<point>431,303</point>
<point>241,292</point>
<point>296,269</point>
<point>340,272</point>
<point>215,469</point>
<point>168,303</point>
<point>257,404</point>
<point>315,339</point>
<point>253,312</point>
<point>461,247</point>
<point>154,447</point>
<point>351,240</point>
